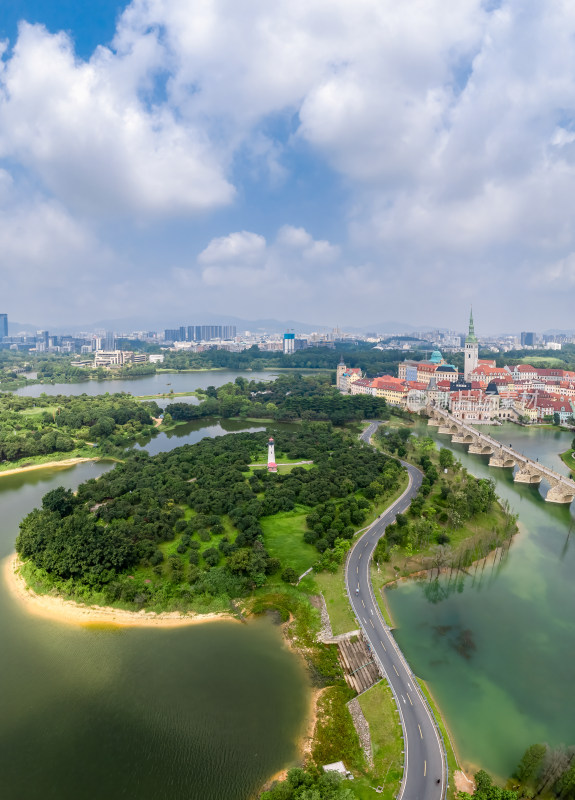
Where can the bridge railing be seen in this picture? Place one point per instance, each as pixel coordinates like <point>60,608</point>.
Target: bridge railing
<point>518,456</point>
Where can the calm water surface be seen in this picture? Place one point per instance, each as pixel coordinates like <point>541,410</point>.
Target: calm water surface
<point>150,384</point>
<point>497,647</point>
<point>209,711</point>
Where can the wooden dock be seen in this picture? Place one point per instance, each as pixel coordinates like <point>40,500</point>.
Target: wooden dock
<point>358,665</point>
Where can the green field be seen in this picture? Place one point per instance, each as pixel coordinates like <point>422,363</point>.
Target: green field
<point>567,458</point>
<point>283,537</point>
<point>332,586</point>
<point>379,709</point>
<point>544,361</point>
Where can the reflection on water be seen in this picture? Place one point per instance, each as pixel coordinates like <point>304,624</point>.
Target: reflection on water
<point>496,643</point>
<point>150,384</point>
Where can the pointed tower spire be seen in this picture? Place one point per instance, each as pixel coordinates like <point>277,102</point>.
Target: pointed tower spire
<point>471,337</point>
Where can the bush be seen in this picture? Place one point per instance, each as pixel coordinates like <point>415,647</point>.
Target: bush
<point>289,575</point>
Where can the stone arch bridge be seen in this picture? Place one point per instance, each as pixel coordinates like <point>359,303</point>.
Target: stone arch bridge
<point>528,471</point>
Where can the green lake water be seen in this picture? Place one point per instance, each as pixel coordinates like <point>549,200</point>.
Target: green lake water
<point>497,647</point>
<point>208,712</point>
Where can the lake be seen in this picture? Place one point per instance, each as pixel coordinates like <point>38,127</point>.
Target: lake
<point>208,711</point>
<point>496,646</point>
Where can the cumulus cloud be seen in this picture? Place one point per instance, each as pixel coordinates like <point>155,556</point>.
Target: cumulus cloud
<point>452,129</point>
<point>285,273</point>
<point>83,129</point>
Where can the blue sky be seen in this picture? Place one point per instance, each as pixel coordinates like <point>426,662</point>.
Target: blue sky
<point>318,160</point>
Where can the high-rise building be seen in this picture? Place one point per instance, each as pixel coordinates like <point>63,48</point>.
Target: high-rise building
<point>289,343</point>
<point>110,340</point>
<point>206,333</point>
<point>3,326</point>
<point>471,349</point>
<point>527,339</point>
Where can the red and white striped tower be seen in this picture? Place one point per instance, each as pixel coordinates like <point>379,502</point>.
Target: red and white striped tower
<point>272,466</point>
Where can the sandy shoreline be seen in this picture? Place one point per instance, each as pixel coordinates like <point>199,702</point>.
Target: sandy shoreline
<point>67,611</point>
<point>66,462</point>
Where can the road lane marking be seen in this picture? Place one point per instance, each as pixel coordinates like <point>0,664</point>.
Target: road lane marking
<point>424,768</point>
<point>409,698</point>
<point>357,570</point>
<point>396,672</point>
<point>403,698</point>
<point>382,644</point>
<point>372,625</point>
<point>363,604</point>
<point>371,610</point>
<point>420,733</point>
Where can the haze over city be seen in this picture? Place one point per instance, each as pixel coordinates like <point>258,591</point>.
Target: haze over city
<point>324,162</point>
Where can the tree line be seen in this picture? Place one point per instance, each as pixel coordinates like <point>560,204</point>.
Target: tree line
<point>51,424</point>
<point>543,772</point>
<point>289,398</point>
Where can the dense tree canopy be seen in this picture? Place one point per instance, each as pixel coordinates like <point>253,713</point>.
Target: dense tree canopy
<point>33,426</point>
<point>205,498</point>
<point>289,397</point>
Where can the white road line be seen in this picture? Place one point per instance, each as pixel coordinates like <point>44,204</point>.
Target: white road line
<point>371,610</point>
<point>357,570</point>
<point>396,672</point>
<point>384,647</point>
<point>372,625</point>
<point>403,698</point>
<point>409,698</point>
<point>424,768</point>
<point>420,733</point>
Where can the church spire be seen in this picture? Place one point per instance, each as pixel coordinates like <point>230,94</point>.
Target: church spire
<point>471,337</point>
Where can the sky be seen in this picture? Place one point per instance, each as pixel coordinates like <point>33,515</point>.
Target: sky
<point>334,162</point>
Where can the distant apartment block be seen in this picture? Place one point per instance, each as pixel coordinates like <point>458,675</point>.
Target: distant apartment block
<point>3,326</point>
<point>200,333</point>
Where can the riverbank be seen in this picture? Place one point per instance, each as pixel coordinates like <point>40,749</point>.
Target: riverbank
<point>64,462</point>
<point>59,609</point>
<point>567,458</point>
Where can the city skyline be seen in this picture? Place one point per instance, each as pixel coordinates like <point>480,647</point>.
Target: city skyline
<point>337,172</point>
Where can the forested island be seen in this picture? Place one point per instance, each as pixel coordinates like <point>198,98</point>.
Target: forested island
<point>36,428</point>
<point>184,529</point>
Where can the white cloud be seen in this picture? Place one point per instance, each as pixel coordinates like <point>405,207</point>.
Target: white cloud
<point>451,126</point>
<point>83,130</point>
<point>243,247</point>
<point>288,270</point>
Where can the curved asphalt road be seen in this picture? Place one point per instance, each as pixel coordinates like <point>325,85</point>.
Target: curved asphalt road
<point>424,762</point>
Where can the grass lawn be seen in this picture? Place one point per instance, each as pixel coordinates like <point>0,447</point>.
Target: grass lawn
<point>379,709</point>
<point>332,586</point>
<point>283,537</point>
<point>567,458</point>
<point>29,412</point>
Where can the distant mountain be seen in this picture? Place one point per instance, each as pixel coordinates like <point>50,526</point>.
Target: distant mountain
<point>148,323</point>
<point>17,327</point>
<point>270,325</point>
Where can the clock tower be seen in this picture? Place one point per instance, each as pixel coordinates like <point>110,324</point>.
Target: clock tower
<point>471,349</point>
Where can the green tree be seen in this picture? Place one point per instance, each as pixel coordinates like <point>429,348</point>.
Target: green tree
<point>530,763</point>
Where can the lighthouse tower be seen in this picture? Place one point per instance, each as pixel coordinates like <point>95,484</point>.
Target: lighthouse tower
<point>272,466</point>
